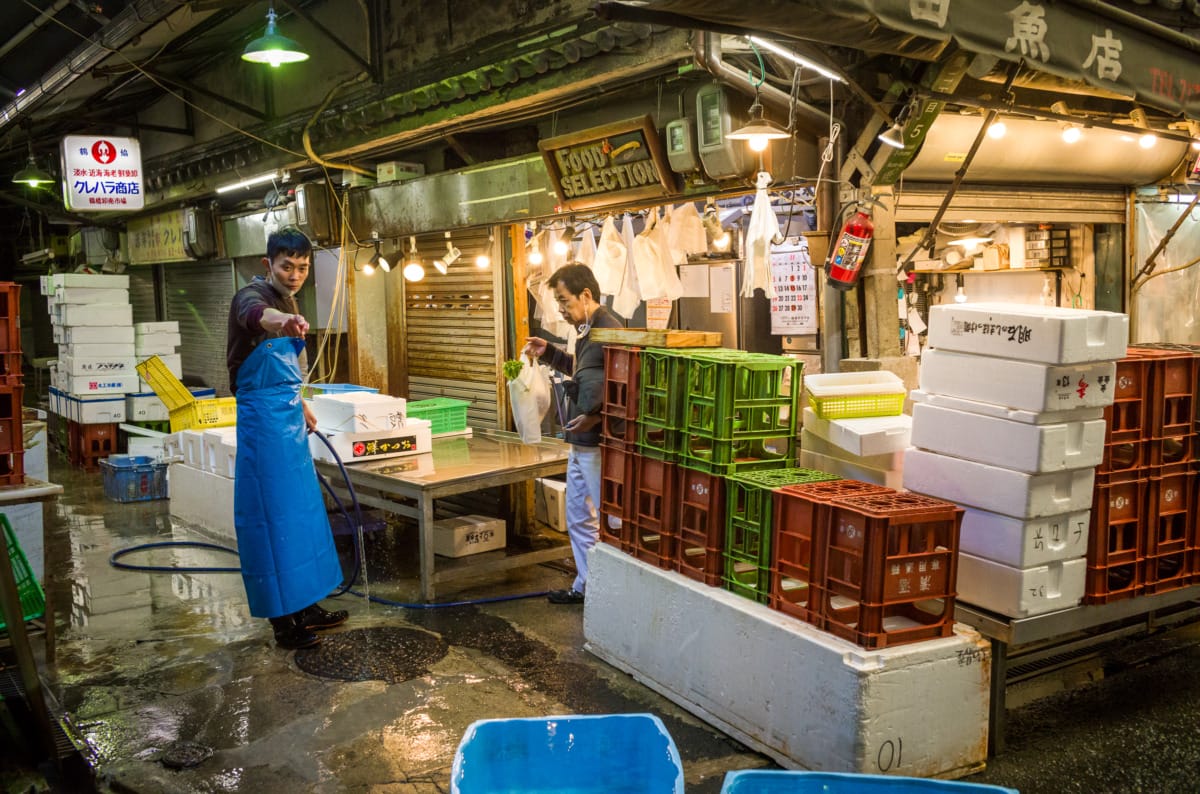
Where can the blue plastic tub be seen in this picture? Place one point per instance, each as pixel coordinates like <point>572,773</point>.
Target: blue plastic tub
<point>133,478</point>
<point>784,782</point>
<point>598,754</point>
<point>311,389</point>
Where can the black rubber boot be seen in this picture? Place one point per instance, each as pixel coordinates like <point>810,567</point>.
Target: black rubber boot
<point>317,617</point>
<point>292,635</point>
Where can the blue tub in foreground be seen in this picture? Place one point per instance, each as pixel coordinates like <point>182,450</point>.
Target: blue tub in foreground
<point>785,782</point>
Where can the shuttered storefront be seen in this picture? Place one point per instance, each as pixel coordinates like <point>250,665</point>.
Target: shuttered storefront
<point>455,326</point>
<point>197,296</point>
<point>1013,203</point>
<point>143,293</point>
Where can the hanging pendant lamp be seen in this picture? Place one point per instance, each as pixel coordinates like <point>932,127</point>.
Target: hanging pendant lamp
<point>272,47</point>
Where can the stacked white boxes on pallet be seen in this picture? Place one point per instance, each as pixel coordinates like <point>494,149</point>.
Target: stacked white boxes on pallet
<point>160,339</point>
<point>1008,422</point>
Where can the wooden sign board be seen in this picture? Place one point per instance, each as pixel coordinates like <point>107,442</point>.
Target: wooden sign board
<point>617,163</point>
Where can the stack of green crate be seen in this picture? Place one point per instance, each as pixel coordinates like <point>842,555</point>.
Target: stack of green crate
<point>660,400</point>
<point>748,508</point>
<point>740,412</point>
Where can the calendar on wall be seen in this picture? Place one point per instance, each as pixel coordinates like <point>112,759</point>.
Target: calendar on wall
<point>794,307</point>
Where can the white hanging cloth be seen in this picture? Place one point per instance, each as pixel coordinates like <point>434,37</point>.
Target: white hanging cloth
<point>611,256</point>
<point>629,295</point>
<point>687,231</point>
<point>668,276</point>
<point>647,260</point>
<point>762,233</point>
<point>587,250</point>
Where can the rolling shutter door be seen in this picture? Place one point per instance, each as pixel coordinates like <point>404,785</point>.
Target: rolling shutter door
<point>197,296</point>
<point>918,202</point>
<point>143,294</point>
<point>454,327</point>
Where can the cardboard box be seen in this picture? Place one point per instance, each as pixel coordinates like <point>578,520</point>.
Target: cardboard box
<point>1029,333</point>
<point>550,503</point>
<point>358,412</point>
<point>1024,385</point>
<point>463,535</point>
<point>1011,445</point>
<point>1021,593</point>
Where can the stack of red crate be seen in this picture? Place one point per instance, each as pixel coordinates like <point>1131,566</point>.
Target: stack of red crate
<point>1143,536</point>
<point>618,445</point>
<point>12,388</point>
<point>868,564</point>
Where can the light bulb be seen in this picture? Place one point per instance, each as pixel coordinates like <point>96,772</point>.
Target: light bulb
<point>440,266</point>
<point>535,257</point>
<point>483,261</point>
<point>758,143</point>
<point>368,269</point>
<point>960,296</point>
<point>561,247</point>
<point>413,271</point>
<point>997,130</point>
<point>384,265</point>
<point>721,241</point>
<point>1196,145</point>
<point>1071,134</point>
<point>1148,140</point>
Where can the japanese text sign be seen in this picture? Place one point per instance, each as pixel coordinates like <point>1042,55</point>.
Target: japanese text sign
<point>101,173</point>
<point>157,239</point>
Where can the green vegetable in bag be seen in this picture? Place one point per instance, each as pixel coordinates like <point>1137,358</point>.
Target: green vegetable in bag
<point>512,368</point>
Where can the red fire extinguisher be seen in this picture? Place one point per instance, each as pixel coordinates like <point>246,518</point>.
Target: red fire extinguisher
<point>848,253</point>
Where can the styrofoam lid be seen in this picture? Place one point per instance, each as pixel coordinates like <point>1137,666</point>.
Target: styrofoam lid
<point>357,398</point>
<point>833,383</point>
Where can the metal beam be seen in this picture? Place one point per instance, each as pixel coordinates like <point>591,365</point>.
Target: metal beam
<point>52,211</point>
<point>87,9</point>
<point>341,45</point>
<point>204,92</point>
<point>27,31</point>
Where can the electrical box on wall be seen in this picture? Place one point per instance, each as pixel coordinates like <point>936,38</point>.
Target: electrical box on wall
<point>681,146</point>
<point>314,212</point>
<point>199,233</point>
<point>721,157</point>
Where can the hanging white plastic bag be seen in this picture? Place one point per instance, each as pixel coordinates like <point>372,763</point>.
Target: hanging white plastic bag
<point>529,394</point>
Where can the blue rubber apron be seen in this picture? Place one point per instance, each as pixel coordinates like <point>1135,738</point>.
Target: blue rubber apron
<point>286,547</point>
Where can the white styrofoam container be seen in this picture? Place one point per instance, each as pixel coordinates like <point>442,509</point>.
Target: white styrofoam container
<point>358,412</point>
<point>1021,592</point>
<point>115,314</point>
<point>843,708</point>
<point>85,350</point>
<point>93,367</point>
<point>98,384</point>
<point>550,503</point>
<point>96,410</point>
<point>1024,385</point>
<point>173,446</point>
<point>874,435</point>
<point>212,452</point>
<point>1047,334</point>
<point>193,448</point>
<point>891,461</point>
<point>157,341</point>
<point>459,536</point>
<point>174,364</point>
<point>226,463</point>
<point>850,471</point>
<point>1024,543</point>
<point>202,498</point>
<point>95,335</point>
<point>145,408</point>
<point>1011,445</point>
<point>169,327</point>
<point>144,445</point>
<point>413,438</point>
<point>1002,412</point>
<point>84,295</point>
<point>1004,491</point>
<point>57,281</point>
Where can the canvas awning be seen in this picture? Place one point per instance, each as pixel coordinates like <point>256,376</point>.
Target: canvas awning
<point>1111,50</point>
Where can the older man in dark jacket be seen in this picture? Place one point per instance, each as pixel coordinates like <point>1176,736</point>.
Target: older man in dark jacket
<point>578,295</point>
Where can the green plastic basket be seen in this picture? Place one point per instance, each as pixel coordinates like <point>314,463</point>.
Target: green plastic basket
<point>446,415</point>
<point>29,592</point>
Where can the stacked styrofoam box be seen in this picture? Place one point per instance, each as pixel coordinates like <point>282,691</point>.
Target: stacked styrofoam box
<point>93,325</point>
<point>156,339</point>
<point>1008,422</point>
<point>365,426</point>
<point>869,449</point>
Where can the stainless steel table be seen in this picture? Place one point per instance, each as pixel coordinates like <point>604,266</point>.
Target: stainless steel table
<point>408,486</point>
<point>1072,626</point>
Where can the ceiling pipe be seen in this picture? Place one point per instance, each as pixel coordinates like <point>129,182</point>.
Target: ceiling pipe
<point>707,49</point>
<point>136,18</point>
<point>39,21</point>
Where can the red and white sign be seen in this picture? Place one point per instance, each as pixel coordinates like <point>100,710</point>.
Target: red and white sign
<point>102,173</point>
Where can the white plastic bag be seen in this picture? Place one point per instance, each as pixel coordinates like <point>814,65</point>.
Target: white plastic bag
<point>529,394</point>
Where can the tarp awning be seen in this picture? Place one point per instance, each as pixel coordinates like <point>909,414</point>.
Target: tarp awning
<point>1108,49</point>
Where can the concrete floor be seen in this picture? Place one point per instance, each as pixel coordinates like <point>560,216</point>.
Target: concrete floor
<point>145,661</point>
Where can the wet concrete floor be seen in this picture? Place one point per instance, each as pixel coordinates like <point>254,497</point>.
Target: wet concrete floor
<point>145,662</point>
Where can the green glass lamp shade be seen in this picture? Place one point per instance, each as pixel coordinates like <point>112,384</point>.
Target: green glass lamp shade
<point>273,48</point>
<point>32,175</point>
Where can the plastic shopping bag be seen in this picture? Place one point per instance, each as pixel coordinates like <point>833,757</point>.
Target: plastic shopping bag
<point>529,394</point>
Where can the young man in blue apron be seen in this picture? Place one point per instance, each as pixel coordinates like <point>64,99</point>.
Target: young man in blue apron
<point>287,554</point>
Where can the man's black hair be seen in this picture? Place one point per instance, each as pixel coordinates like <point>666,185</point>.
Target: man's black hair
<point>576,278</point>
<point>288,240</point>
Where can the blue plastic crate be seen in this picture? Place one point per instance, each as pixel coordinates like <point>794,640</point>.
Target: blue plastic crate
<point>597,754</point>
<point>785,782</point>
<point>133,478</point>
<point>310,389</point>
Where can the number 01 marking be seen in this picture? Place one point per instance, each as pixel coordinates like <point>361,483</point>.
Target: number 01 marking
<point>889,754</point>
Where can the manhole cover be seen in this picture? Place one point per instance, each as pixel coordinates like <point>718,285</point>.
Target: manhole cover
<point>185,755</point>
<point>383,654</point>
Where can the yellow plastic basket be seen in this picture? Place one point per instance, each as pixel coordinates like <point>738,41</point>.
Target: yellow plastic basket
<point>187,412</point>
<point>855,395</point>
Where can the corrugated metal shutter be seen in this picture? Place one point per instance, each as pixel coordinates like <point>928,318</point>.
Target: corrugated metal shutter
<point>454,326</point>
<point>143,294</point>
<point>197,297</point>
<point>919,201</point>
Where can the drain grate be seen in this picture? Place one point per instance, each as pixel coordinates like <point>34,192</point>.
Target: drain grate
<point>376,654</point>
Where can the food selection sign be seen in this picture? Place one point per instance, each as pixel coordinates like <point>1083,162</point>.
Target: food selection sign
<point>617,163</point>
<point>101,173</point>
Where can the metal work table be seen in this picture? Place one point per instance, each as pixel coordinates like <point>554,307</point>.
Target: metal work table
<point>10,608</point>
<point>1069,625</point>
<point>485,459</point>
